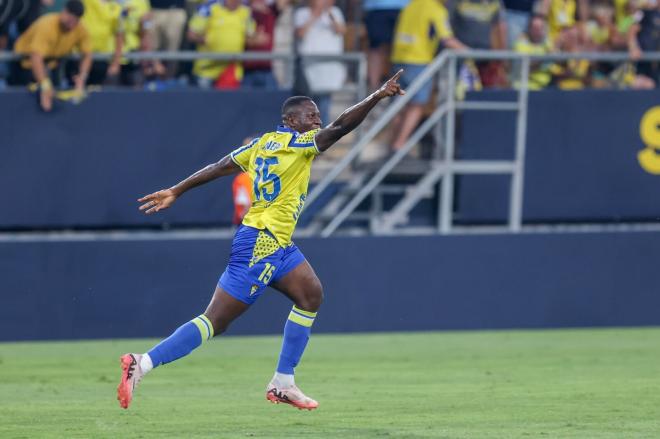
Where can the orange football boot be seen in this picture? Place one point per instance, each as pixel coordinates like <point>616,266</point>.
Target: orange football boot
<point>130,377</point>
<point>290,395</point>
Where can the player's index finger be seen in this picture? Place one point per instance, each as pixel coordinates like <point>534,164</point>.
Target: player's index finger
<point>397,75</point>
<point>148,197</point>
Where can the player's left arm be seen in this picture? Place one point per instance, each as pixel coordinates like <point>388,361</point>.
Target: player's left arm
<point>353,116</point>
<point>163,199</point>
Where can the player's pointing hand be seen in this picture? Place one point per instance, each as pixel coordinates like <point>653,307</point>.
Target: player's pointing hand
<point>157,201</point>
<point>391,87</point>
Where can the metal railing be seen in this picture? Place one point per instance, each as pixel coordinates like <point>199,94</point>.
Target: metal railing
<point>502,55</point>
<point>443,169</point>
<point>358,59</point>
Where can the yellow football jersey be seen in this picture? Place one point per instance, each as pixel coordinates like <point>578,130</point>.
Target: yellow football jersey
<point>133,12</point>
<point>225,31</point>
<point>561,15</point>
<point>102,19</point>
<point>279,164</point>
<point>420,28</point>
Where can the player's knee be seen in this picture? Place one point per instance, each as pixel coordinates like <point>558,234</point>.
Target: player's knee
<point>313,296</point>
<point>319,293</point>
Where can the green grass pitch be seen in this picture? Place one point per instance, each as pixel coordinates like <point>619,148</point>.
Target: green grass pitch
<point>601,383</point>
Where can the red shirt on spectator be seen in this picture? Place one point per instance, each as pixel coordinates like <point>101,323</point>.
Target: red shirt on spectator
<point>264,16</point>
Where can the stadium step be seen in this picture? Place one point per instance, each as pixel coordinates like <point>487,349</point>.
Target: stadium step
<point>396,186</point>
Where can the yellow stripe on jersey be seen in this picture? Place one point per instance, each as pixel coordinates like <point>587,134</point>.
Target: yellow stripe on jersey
<point>279,164</point>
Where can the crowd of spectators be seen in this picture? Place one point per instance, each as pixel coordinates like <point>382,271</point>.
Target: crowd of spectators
<point>393,33</point>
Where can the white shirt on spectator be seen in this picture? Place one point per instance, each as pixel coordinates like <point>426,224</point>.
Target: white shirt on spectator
<point>322,39</point>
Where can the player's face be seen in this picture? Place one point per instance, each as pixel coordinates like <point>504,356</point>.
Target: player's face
<point>306,118</point>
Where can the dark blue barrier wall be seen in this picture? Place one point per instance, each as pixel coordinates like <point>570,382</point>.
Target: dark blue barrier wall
<point>582,157</point>
<point>146,288</point>
<point>85,165</point>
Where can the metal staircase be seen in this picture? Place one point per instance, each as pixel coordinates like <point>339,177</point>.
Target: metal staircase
<point>430,177</point>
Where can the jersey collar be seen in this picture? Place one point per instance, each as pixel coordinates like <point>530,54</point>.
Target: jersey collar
<point>286,129</point>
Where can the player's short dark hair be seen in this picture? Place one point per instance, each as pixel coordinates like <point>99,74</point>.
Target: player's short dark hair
<point>293,102</point>
<point>75,7</point>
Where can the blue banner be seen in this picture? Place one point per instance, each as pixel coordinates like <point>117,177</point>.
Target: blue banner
<point>85,165</point>
<point>591,155</point>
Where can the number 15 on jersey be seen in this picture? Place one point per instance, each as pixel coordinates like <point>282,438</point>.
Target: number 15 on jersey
<point>264,176</point>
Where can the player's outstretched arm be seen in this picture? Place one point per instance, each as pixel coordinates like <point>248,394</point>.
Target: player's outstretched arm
<point>163,199</point>
<point>352,117</point>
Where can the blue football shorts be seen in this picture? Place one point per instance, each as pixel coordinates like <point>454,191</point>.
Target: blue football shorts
<point>256,260</point>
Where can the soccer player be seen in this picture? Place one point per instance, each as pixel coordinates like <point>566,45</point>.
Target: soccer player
<point>262,254</point>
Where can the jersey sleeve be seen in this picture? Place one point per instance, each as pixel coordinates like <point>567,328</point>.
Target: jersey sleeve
<point>307,142</point>
<point>250,23</point>
<point>41,40</point>
<point>120,19</point>
<point>84,42</point>
<point>197,22</point>
<point>300,16</point>
<point>241,156</point>
<point>442,26</point>
<point>337,15</point>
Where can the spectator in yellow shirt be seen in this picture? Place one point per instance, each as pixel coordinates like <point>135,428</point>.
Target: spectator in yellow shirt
<point>535,42</point>
<point>137,21</point>
<point>138,26</point>
<point>562,15</point>
<point>48,39</point>
<point>218,27</point>
<point>573,74</point>
<point>422,28</point>
<point>104,23</point>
